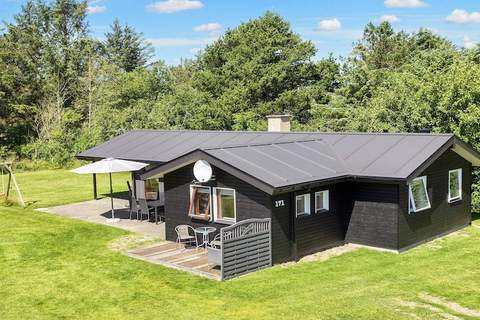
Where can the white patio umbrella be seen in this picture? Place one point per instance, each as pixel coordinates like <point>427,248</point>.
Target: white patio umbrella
<point>110,165</point>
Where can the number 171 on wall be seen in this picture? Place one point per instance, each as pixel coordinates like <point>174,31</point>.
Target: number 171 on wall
<point>279,203</point>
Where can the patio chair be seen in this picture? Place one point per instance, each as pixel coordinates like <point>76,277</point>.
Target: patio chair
<point>185,236</point>
<point>144,209</point>
<point>215,243</point>
<point>133,206</point>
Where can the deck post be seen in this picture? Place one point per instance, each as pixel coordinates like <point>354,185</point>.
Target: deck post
<point>94,176</point>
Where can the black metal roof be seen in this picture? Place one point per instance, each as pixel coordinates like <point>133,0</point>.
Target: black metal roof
<point>282,159</point>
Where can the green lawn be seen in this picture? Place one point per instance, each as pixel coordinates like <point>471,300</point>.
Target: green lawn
<point>52,267</point>
<point>52,187</point>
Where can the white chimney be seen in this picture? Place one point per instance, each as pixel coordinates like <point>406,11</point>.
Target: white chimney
<point>279,123</point>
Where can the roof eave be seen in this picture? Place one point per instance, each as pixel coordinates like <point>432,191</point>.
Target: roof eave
<point>467,152</point>
<point>458,146</point>
<point>337,179</point>
<point>90,158</point>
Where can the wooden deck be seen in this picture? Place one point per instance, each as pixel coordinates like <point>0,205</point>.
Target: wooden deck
<point>170,254</point>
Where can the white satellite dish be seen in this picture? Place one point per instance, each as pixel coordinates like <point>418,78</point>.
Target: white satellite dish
<point>202,171</point>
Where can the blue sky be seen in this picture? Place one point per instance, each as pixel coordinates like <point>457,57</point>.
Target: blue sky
<point>179,28</point>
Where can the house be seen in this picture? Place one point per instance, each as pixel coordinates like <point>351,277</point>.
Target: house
<point>387,190</point>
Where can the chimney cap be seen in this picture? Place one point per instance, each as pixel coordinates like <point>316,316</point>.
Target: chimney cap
<point>283,115</point>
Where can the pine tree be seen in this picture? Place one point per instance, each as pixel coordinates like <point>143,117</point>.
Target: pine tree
<point>126,48</point>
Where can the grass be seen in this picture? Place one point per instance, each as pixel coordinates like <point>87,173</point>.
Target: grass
<point>52,267</point>
<point>52,187</point>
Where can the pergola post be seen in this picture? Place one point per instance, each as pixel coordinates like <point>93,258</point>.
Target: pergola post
<point>95,196</point>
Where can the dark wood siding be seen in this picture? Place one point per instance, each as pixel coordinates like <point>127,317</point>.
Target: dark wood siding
<point>374,215</point>
<point>325,229</point>
<point>442,217</point>
<point>281,228</point>
<point>250,201</point>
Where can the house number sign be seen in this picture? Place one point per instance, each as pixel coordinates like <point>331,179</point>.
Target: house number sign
<point>279,203</point>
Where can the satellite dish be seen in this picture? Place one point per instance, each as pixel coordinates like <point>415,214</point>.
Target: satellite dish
<point>202,171</point>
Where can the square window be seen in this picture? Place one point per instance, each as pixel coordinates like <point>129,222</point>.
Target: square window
<point>418,195</point>
<point>454,185</point>
<point>302,204</point>
<point>224,204</point>
<point>321,201</point>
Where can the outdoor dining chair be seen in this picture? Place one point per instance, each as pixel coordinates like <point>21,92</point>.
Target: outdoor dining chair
<point>184,236</point>
<point>144,209</point>
<point>133,204</point>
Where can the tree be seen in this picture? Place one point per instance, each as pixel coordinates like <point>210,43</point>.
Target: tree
<point>42,48</point>
<point>126,48</point>
<point>260,67</point>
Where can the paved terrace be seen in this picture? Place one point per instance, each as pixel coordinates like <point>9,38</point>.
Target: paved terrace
<point>98,211</point>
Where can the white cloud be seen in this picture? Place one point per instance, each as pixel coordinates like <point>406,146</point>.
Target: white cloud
<point>211,27</point>
<point>96,9</point>
<point>179,42</point>
<point>462,16</point>
<point>171,6</point>
<point>469,43</point>
<point>329,24</point>
<point>405,3</point>
<point>389,18</point>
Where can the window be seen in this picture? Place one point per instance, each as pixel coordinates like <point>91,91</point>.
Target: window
<point>418,195</point>
<point>302,204</point>
<point>454,185</point>
<point>321,201</point>
<point>200,202</point>
<point>224,204</point>
<point>147,189</point>
<point>151,189</point>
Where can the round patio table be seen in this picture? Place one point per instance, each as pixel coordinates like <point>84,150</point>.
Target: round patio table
<point>205,232</point>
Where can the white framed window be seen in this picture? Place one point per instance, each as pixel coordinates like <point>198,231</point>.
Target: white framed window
<point>454,185</point>
<point>417,195</point>
<point>302,204</point>
<point>224,205</point>
<point>200,202</point>
<point>321,201</point>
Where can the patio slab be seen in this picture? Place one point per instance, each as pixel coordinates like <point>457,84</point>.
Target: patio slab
<point>170,254</point>
<point>98,211</point>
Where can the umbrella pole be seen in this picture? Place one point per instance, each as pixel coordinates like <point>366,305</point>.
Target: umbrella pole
<point>111,195</point>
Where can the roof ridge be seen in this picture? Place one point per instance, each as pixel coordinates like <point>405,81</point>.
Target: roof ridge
<point>298,132</point>
<point>239,145</point>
